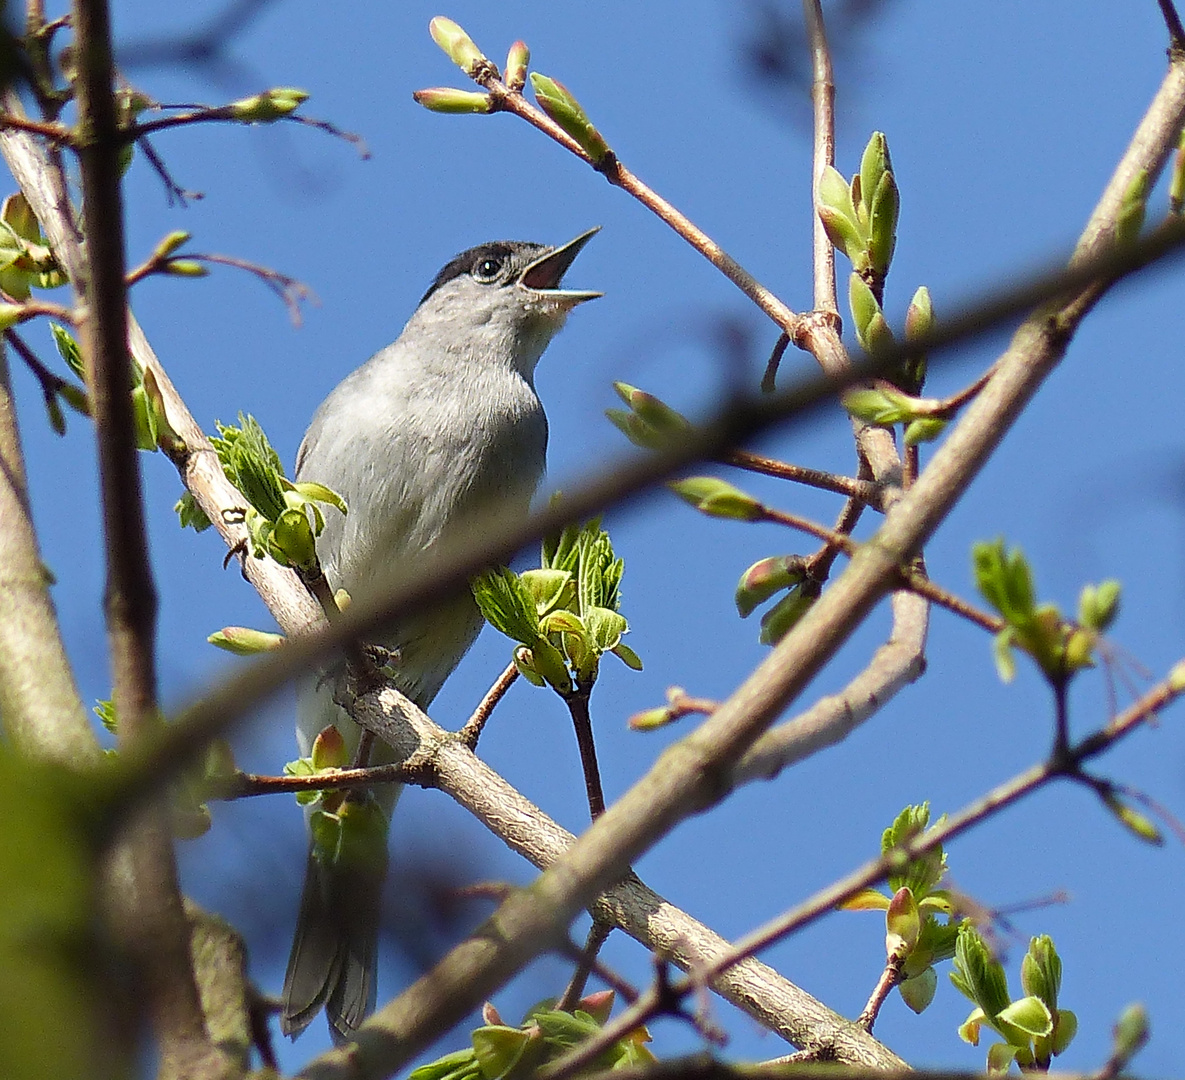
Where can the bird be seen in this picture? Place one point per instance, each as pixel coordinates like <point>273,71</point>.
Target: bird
<point>433,437</point>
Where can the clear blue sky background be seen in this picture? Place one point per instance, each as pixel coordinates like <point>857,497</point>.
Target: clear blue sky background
<point>1004,121</point>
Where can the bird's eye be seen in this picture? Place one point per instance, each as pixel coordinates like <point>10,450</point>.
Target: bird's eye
<point>488,268</point>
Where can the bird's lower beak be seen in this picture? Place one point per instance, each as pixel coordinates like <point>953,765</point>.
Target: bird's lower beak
<point>545,274</point>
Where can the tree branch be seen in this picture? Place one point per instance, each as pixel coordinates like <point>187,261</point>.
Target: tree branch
<point>42,713</point>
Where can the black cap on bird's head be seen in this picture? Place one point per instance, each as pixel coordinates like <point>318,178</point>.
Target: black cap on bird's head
<point>536,268</point>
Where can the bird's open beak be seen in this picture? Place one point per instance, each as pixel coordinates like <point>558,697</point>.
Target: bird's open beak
<point>545,274</point>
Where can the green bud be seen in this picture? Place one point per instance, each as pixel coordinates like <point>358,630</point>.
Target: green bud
<point>874,164</point>
<point>717,498</point>
<point>1098,605</point>
<point>1177,676</point>
<point>865,309</point>
<point>766,577</point>
<point>558,102</point>
<point>882,226</point>
<point>271,105</point>
<point>925,429</point>
<point>919,316</point>
<point>524,660</point>
<point>244,641</point>
<point>143,418</point>
<point>1131,1033</point>
<point>447,99</point>
<point>782,617</point>
<point>1130,219</point>
<point>457,45</point>
<point>291,540</point>
<point>651,719</point>
<point>884,406</point>
<point>517,61</point>
<point>329,750</point>
<point>1079,651</point>
<point>1135,822</point>
<point>838,214</point>
<point>170,244</point>
<point>918,991</point>
<point>903,924</point>
<point>650,423</point>
<point>1177,184</point>
<point>166,438</point>
<point>185,268</point>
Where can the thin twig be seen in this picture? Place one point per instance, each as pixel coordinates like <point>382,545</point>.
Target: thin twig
<point>598,934</point>
<point>291,291</point>
<point>866,491</point>
<point>1173,21</point>
<point>577,702</point>
<point>250,785</point>
<point>47,129</point>
<point>890,977</point>
<point>823,105</point>
<point>471,732</point>
<point>204,114</point>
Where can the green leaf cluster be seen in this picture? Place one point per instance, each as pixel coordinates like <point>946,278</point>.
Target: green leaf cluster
<point>501,1052</point>
<point>1034,1029</point>
<point>283,518</point>
<point>914,935</point>
<point>26,260</point>
<point>648,422</point>
<point>564,615</point>
<point>1059,646</point>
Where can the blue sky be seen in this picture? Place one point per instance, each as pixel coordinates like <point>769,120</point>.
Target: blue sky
<point>1004,122</point>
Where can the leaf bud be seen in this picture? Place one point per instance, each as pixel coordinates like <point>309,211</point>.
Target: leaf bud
<point>782,617</point>
<point>651,719</point>
<point>244,641</point>
<point>558,102</point>
<point>273,104</point>
<point>1131,1033</point>
<point>882,225</point>
<point>447,99</point>
<point>924,429</point>
<point>291,541</point>
<point>185,268</point>
<point>764,578</point>
<point>517,61</point>
<point>919,316</point>
<point>918,991</point>
<point>717,498</point>
<point>329,750</point>
<point>170,244</point>
<point>457,45</point>
<point>874,164</point>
